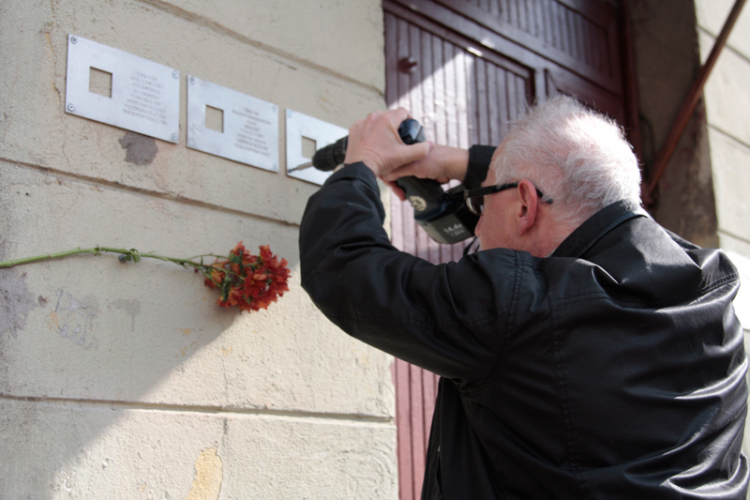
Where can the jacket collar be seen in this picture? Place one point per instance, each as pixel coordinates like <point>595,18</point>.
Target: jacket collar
<point>599,224</point>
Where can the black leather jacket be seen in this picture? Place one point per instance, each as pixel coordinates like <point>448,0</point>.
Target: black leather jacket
<point>614,368</point>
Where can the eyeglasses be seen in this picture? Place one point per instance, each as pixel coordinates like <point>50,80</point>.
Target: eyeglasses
<point>475,197</point>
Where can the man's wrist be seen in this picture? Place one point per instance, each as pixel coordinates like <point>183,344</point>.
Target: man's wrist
<point>370,163</point>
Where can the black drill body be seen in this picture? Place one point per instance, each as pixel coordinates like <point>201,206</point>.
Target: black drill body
<point>443,215</point>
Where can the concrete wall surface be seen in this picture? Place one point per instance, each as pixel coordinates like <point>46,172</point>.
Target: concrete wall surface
<point>126,380</point>
<point>667,60</point>
<point>727,110</point>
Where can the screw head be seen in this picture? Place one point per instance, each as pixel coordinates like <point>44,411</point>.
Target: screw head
<point>71,108</point>
<point>191,143</point>
<point>289,113</point>
<point>176,74</point>
<point>174,137</point>
<point>73,39</point>
<point>192,80</point>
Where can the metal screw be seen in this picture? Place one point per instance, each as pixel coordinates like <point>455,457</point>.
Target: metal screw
<point>73,39</point>
<point>174,137</point>
<point>71,108</point>
<point>289,113</point>
<point>192,80</point>
<point>176,74</point>
<point>191,143</point>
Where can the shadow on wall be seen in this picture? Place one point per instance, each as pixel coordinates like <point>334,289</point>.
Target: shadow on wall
<point>108,370</point>
<point>71,414</point>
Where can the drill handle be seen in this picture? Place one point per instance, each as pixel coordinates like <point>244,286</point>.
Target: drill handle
<point>423,194</point>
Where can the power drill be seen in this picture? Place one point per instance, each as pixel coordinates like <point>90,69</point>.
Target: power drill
<point>443,214</point>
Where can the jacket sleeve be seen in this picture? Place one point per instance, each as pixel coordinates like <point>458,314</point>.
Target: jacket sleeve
<point>445,318</point>
<point>479,165</point>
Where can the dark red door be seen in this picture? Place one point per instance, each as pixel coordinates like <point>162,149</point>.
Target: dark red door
<point>465,68</point>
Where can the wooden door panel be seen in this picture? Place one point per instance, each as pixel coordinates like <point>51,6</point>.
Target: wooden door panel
<point>578,35</point>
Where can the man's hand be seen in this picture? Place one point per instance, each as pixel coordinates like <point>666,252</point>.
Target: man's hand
<point>375,142</point>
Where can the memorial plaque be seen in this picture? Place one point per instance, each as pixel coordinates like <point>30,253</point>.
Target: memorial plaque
<point>302,130</point>
<point>233,125</point>
<point>120,89</point>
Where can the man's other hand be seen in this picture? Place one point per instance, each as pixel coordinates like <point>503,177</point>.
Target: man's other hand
<point>375,142</point>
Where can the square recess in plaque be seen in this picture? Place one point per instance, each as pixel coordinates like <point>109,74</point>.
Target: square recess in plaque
<point>233,125</point>
<point>120,89</point>
<point>304,136</point>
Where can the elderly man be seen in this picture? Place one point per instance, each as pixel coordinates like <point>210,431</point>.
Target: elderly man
<point>585,352</point>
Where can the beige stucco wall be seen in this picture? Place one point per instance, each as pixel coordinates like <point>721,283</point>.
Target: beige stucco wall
<point>727,110</point>
<point>126,381</point>
<point>727,98</point>
<point>667,60</point>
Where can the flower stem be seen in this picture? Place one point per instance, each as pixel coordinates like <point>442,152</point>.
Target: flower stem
<point>37,258</point>
<point>131,254</point>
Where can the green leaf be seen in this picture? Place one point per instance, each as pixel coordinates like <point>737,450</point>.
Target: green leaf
<point>225,287</point>
<point>206,271</point>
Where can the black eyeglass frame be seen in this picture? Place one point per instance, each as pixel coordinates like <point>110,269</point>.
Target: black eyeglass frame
<point>471,194</point>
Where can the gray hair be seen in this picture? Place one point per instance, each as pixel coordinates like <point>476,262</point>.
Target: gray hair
<point>574,155</point>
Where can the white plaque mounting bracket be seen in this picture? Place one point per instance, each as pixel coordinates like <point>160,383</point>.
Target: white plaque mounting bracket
<point>299,126</point>
<point>144,95</point>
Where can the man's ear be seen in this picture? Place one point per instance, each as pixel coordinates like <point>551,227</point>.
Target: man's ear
<point>529,203</point>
